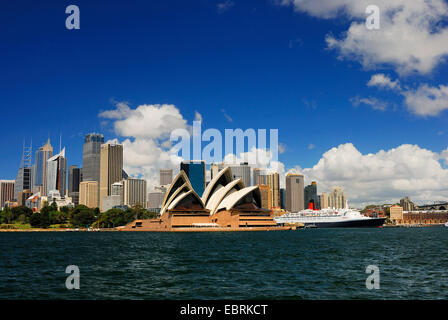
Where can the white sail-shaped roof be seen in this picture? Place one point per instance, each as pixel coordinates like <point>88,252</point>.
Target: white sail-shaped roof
<point>177,183</point>
<point>223,192</point>
<point>182,196</point>
<point>223,178</point>
<point>184,188</point>
<point>232,199</point>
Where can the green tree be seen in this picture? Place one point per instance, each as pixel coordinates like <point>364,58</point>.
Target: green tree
<point>82,218</point>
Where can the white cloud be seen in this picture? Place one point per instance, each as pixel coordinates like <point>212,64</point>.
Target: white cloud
<point>374,103</point>
<point>411,38</point>
<point>385,176</point>
<point>197,116</point>
<point>427,100</point>
<point>224,6</point>
<point>383,81</point>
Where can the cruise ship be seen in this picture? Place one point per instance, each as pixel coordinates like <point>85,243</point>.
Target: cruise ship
<point>330,218</point>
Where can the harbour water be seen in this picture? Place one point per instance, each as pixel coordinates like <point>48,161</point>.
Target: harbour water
<point>303,264</point>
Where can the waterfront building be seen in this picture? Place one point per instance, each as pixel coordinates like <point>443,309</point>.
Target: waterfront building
<point>310,195</point>
<point>196,173</point>
<point>91,157</point>
<point>337,198</point>
<point>57,173</point>
<point>134,192</point>
<point>60,200</point>
<point>6,191</point>
<point>111,168</point>
<point>427,217</point>
<point>266,200</point>
<point>294,192</point>
<point>323,201</point>
<point>166,176</point>
<point>407,204</point>
<point>74,179</point>
<point>42,155</point>
<point>88,194</point>
<point>155,200</point>
<point>273,181</point>
<point>226,205</point>
<point>242,171</point>
<point>396,214</point>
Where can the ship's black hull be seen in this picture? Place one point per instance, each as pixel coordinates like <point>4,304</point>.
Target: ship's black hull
<point>364,223</point>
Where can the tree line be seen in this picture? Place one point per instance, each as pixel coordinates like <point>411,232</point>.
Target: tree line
<point>78,217</point>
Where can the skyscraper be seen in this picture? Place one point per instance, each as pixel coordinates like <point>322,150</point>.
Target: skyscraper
<point>88,194</point>
<point>294,192</point>
<point>241,171</point>
<point>323,201</point>
<point>215,168</point>
<point>74,179</point>
<point>134,192</point>
<point>111,168</point>
<point>259,176</point>
<point>265,193</point>
<point>57,173</point>
<point>195,170</point>
<point>24,178</point>
<point>40,168</point>
<point>310,194</point>
<point>91,157</point>
<point>6,191</point>
<point>337,198</point>
<point>273,181</point>
<point>166,176</point>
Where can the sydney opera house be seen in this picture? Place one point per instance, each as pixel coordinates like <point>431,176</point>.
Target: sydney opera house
<point>226,205</point>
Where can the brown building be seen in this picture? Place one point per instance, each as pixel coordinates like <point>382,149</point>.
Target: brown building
<point>88,194</point>
<point>226,205</point>
<point>396,214</point>
<point>273,181</point>
<point>111,168</point>
<point>425,217</point>
<point>266,201</point>
<point>6,191</point>
<point>23,196</point>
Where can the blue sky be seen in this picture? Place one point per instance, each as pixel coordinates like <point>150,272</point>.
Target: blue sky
<point>266,65</point>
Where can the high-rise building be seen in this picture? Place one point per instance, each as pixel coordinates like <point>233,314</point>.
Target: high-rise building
<point>215,168</point>
<point>259,176</point>
<point>6,191</point>
<point>195,171</point>
<point>273,181</point>
<point>88,194</point>
<point>337,198</point>
<point>166,176</point>
<point>24,178</point>
<point>57,173</point>
<point>265,192</point>
<point>40,168</point>
<point>241,171</point>
<point>134,192</point>
<point>282,198</point>
<point>91,157</point>
<point>23,196</point>
<point>323,201</point>
<point>155,199</point>
<point>310,195</point>
<point>74,179</point>
<point>407,204</point>
<point>294,192</point>
<point>111,168</point>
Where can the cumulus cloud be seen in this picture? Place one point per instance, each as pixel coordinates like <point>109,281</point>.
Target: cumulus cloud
<point>427,100</point>
<point>145,132</point>
<point>410,38</point>
<point>383,81</point>
<point>385,176</point>
<point>374,103</point>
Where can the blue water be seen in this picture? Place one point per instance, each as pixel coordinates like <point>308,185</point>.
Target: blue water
<point>303,264</point>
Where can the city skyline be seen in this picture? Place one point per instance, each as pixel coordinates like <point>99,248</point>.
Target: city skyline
<point>379,134</point>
